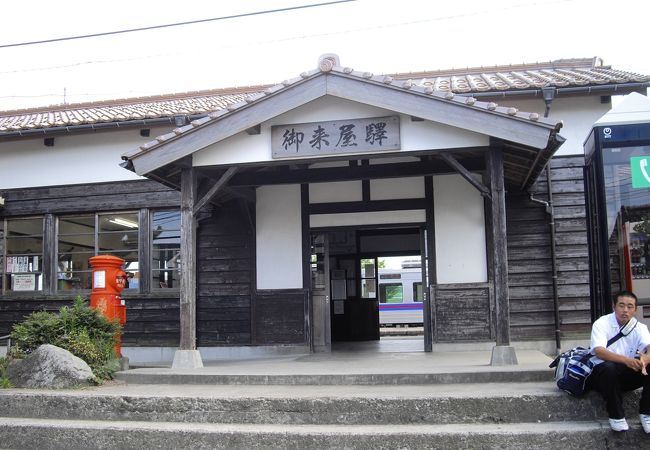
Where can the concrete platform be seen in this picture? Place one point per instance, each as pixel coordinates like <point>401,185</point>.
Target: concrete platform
<point>392,361</point>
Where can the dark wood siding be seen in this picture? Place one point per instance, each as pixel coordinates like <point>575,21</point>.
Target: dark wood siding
<point>152,322</point>
<point>529,256</point>
<point>225,252</point>
<point>121,195</point>
<point>280,316</point>
<point>462,312</point>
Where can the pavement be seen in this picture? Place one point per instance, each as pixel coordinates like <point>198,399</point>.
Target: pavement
<point>388,361</point>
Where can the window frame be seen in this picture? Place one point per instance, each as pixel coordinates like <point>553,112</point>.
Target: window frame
<point>4,288</point>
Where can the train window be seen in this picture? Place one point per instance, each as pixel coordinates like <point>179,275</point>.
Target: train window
<point>417,292</point>
<point>391,293</point>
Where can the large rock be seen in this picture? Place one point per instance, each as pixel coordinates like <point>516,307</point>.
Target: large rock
<point>49,366</point>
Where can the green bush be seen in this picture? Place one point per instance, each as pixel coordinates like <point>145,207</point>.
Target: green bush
<point>4,381</point>
<point>82,331</point>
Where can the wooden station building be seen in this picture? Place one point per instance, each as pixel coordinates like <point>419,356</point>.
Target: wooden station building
<point>235,221</point>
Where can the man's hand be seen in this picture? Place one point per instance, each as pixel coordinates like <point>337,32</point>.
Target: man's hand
<point>644,359</point>
<point>635,364</point>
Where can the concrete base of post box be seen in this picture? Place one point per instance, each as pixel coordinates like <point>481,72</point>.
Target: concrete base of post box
<point>187,359</point>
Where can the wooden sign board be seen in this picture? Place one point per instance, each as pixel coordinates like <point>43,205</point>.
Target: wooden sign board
<point>370,135</point>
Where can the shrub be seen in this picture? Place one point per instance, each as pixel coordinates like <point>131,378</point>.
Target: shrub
<point>4,381</point>
<point>82,331</point>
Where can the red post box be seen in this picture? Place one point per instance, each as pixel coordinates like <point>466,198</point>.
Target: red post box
<point>109,279</point>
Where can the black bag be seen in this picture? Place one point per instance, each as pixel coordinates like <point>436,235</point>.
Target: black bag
<point>573,367</point>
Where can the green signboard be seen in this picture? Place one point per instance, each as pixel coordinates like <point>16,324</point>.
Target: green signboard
<point>640,168</point>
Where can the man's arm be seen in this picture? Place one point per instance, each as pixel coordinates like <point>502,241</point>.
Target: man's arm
<point>632,363</point>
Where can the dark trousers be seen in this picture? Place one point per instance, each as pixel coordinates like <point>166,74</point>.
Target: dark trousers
<point>612,379</point>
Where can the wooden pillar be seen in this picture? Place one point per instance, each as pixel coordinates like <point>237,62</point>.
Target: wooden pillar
<point>430,328</point>
<point>498,256</point>
<point>188,356</point>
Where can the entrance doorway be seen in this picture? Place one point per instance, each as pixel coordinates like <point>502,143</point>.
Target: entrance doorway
<point>373,284</point>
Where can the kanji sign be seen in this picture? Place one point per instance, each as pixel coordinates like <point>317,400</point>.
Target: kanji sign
<point>336,137</point>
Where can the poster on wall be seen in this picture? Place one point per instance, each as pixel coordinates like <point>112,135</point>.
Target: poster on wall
<point>24,282</point>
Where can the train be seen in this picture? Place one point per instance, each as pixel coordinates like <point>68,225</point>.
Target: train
<point>400,295</point>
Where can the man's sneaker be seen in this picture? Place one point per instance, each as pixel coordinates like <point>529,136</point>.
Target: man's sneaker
<point>621,424</point>
<point>645,422</point>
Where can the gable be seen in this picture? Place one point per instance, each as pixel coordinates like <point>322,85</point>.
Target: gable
<point>415,135</point>
<point>527,136</point>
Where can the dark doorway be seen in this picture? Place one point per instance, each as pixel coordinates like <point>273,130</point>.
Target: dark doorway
<point>375,283</point>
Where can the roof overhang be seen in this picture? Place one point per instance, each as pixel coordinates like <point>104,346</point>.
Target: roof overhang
<point>528,137</point>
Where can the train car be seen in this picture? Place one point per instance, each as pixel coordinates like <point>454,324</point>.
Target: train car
<point>400,296</point>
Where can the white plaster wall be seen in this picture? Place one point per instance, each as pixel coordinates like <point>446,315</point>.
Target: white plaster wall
<point>577,113</point>
<point>279,237</point>
<point>340,191</point>
<point>461,255</point>
<point>395,188</point>
<point>74,159</point>
<point>366,218</point>
<point>243,148</point>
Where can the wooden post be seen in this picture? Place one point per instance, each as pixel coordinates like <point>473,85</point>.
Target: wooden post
<point>188,356</point>
<point>503,354</point>
<point>430,328</point>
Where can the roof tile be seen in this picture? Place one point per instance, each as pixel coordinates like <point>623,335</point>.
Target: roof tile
<point>560,73</point>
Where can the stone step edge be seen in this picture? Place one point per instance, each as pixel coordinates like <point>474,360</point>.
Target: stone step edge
<point>66,434</point>
<point>139,376</point>
<point>433,429</point>
<point>321,410</point>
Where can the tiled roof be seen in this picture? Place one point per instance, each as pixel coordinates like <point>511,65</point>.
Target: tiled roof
<point>567,73</point>
<point>330,64</point>
<point>137,109</point>
<point>559,74</point>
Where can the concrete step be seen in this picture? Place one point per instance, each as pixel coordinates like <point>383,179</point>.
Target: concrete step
<point>168,376</point>
<point>20,433</point>
<point>491,403</point>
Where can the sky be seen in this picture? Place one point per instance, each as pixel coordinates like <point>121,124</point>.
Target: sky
<point>377,36</point>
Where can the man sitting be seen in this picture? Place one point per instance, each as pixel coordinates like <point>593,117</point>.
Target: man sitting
<point>623,365</point>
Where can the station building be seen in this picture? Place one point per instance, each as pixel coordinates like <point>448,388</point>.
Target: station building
<point>252,220</point>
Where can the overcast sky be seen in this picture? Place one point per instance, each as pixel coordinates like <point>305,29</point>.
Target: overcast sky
<point>377,36</point>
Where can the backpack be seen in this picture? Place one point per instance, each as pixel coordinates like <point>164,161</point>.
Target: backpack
<point>573,367</point>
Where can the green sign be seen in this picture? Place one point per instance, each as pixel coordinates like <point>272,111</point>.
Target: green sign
<point>640,168</point>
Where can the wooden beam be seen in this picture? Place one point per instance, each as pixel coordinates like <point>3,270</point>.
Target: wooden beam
<point>453,162</point>
<point>188,261</point>
<point>214,189</point>
<point>498,250</point>
<point>49,254</point>
<point>367,206</point>
<point>348,173</point>
<point>412,103</point>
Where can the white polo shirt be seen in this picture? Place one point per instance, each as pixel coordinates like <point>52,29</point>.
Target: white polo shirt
<point>607,327</point>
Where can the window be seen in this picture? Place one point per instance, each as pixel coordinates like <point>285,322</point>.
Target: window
<point>23,247</point>
<point>391,293</point>
<point>368,278</point>
<point>78,237</point>
<point>166,249</point>
<point>117,235</point>
<point>2,255</point>
<point>417,292</point>
<point>81,237</point>
<point>76,244</point>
